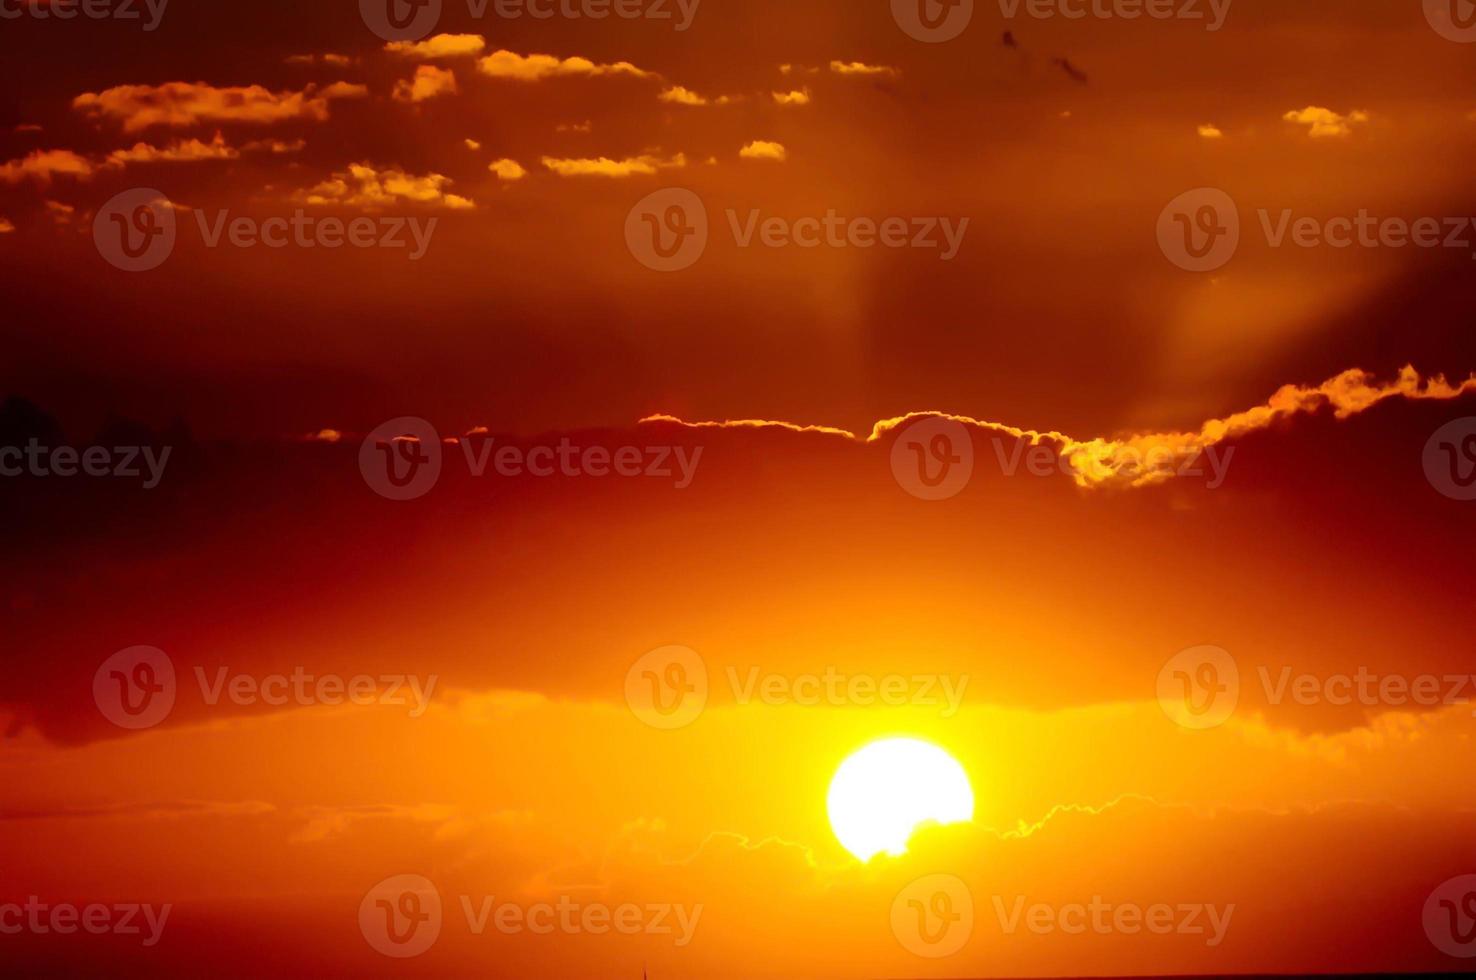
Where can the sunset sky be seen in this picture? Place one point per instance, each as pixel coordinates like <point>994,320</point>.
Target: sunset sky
<point>641,415</point>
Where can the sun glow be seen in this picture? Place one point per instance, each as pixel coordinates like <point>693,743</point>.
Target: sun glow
<point>884,791</point>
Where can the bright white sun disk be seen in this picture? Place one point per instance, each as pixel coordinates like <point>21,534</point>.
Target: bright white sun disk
<point>885,790</point>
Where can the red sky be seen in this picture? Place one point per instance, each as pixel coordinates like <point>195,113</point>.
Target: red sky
<point>1264,457</point>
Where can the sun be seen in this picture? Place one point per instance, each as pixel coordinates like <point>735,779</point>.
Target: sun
<point>883,791</point>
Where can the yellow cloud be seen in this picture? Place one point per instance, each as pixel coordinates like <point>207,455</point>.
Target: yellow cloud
<point>42,165</point>
<point>275,146</point>
<point>439,46</point>
<point>335,60</point>
<point>366,187</point>
<point>507,169</point>
<point>764,150</point>
<point>859,68</point>
<point>186,104</point>
<point>1324,123</point>
<point>176,152</point>
<point>535,67</point>
<point>797,97</point>
<point>1211,132</point>
<point>681,96</point>
<point>605,167</point>
<point>428,83</point>
<point>684,96</point>
<point>1121,462</point>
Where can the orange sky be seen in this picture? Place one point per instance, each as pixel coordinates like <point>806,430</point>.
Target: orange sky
<point>1024,468</point>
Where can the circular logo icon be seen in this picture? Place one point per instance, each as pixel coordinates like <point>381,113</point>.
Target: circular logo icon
<point>1199,687</point>
<point>933,21</point>
<point>134,688</point>
<point>401,459</point>
<point>1450,459</point>
<point>1199,231</point>
<point>933,458</point>
<point>135,230</point>
<point>667,688</point>
<point>1454,20</point>
<point>933,917</point>
<point>401,916</point>
<point>400,20</point>
<point>667,229</point>
<point>1450,917</point>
